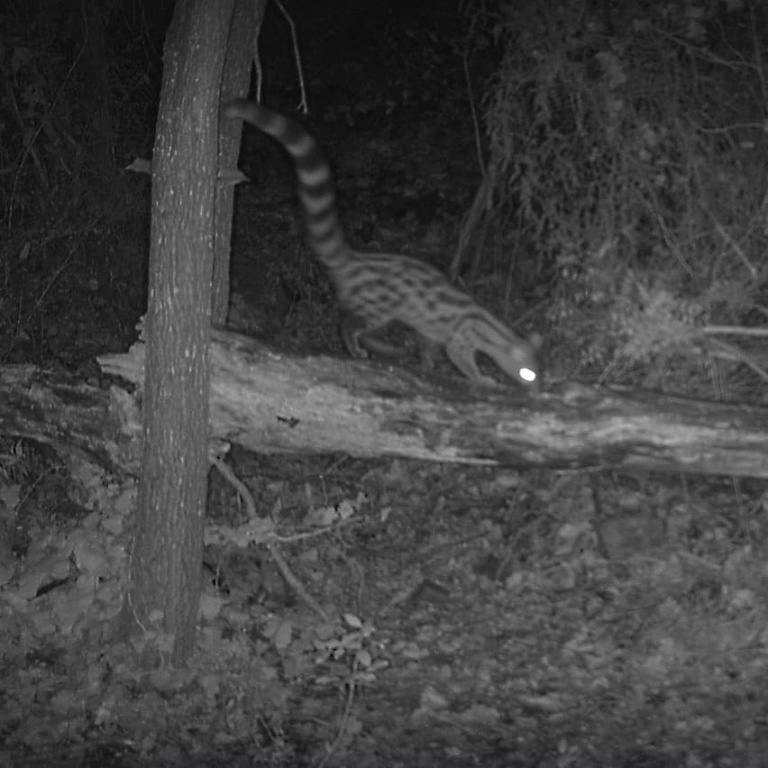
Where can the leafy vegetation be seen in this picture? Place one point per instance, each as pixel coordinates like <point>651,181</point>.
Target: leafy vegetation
<point>76,107</point>
<point>626,144</point>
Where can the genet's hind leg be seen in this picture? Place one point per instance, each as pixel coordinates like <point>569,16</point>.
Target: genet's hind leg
<point>352,328</point>
<point>429,353</point>
<point>360,339</point>
<point>379,347</point>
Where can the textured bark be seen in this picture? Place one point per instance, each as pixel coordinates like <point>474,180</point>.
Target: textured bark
<point>57,409</point>
<point>166,558</point>
<point>245,29</point>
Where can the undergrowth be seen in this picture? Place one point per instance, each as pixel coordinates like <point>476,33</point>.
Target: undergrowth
<point>629,182</point>
<point>74,223</point>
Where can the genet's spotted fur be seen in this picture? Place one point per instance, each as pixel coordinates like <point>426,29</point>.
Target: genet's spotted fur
<point>376,289</point>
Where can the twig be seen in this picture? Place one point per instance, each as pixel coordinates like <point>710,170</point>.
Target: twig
<point>257,64</point>
<point>737,249</point>
<point>475,120</point>
<point>344,719</point>
<point>242,489</point>
<point>480,205</point>
<point>303,104</point>
<point>734,353</point>
<point>277,556</point>
<point>294,583</point>
<point>733,330</point>
<point>30,142</point>
<point>757,47</point>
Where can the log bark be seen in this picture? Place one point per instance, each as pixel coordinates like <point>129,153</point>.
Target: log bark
<point>273,403</point>
<point>77,419</point>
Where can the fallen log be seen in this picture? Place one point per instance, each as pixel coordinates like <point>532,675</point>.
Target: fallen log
<point>273,403</point>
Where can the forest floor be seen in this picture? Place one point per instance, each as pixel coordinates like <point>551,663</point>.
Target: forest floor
<point>470,617</point>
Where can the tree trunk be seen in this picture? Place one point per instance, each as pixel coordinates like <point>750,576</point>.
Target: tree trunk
<point>166,559</point>
<point>245,29</point>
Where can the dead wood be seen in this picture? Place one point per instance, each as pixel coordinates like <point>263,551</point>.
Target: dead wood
<point>272,403</point>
